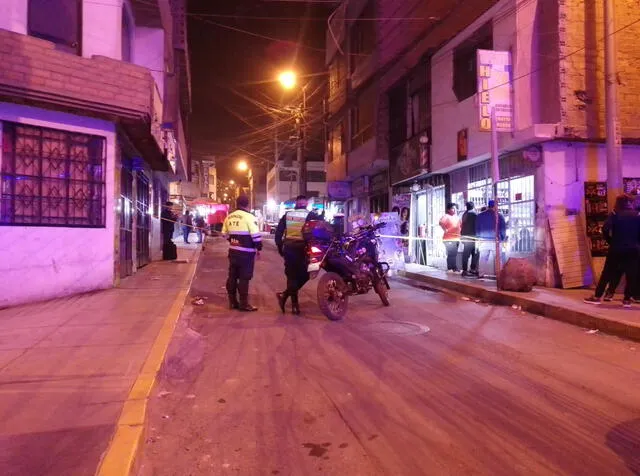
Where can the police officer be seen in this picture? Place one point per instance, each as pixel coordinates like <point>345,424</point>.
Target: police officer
<point>245,241</point>
<point>291,246</point>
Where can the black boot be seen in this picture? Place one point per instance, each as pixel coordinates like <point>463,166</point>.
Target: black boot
<point>282,300</point>
<point>295,306</point>
<point>233,302</point>
<point>245,306</point>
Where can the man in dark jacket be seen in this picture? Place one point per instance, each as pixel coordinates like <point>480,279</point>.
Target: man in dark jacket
<point>291,246</point>
<point>469,241</point>
<point>622,232</point>
<point>486,235</point>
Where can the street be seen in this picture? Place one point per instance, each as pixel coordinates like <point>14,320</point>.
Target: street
<point>433,385</point>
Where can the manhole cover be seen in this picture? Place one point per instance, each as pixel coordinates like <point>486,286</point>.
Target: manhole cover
<point>398,328</point>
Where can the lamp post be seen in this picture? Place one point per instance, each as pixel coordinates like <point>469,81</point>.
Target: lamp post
<point>243,166</point>
<point>289,80</point>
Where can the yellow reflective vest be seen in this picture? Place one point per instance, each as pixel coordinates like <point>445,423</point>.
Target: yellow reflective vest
<point>242,231</point>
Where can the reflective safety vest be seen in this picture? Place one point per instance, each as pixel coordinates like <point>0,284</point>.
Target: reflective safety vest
<point>242,231</point>
<point>295,222</point>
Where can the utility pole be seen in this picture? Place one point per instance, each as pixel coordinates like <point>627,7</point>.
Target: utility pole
<point>614,165</point>
<point>495,178</point>
<point>302,167</point>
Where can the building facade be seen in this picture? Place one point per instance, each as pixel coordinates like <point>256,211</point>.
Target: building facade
<point>282,181</point>
<point>552,159</point>
<point>93,111</point>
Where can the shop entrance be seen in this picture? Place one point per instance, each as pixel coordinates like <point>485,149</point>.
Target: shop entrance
<point>143,220</point>
<point>126,221</point>
<point>430,206</point>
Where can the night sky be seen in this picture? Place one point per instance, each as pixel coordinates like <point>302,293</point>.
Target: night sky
<point>227,64</point>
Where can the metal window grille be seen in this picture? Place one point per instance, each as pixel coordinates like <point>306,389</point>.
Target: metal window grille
<point>52,177</point>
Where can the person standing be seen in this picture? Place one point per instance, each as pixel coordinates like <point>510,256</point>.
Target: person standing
<point>245,244</point>
<point>486,232</point>
<point>451,225</point>
<point>469,241</point>
<point>167,225</point>
<point>622,232</point>
<point>200,224</point>
<point>187,224</point>
<point>291,246</point>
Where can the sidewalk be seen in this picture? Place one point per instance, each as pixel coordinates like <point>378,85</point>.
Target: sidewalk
<point>68,365</point>
<point>560,304</point>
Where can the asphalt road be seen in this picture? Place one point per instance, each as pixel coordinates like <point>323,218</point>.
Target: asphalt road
<point>433,385</point>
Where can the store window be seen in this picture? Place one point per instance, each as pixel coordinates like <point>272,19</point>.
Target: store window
<point>516,198</point>
<point>465,66</point>
<point>58,21</point>
<point>379,203</point>
<point>337,76</point>
<point>397,115</point>
<point>336,142</point>
<point>51,177</point>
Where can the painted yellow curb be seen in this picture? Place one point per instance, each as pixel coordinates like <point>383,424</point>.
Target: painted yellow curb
<point>127,439</point>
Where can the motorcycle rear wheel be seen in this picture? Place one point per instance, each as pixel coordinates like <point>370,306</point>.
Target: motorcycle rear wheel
<point>332,297</point>
<point>382,291</point>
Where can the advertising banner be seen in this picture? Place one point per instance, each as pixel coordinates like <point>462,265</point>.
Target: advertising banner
<point>390,249</point>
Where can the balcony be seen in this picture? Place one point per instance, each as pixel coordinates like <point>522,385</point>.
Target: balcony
<point>34,73</point>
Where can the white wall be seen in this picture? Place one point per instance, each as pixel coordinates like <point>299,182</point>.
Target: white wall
<point>13,15</point>
<point>569,164</point>
<point>513,30</point>
<point>38,263</point>
<point>148,51</point>
<point>101,28</point>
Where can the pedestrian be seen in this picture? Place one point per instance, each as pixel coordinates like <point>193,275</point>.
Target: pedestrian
<point>167,226</point>
<point>200,224</point>
<point>168,222</point>
<point>245,243</point>
<point>468,232</point>
<point>451,225</point>
<point>622,232</point>
<point>291,245</point>
<point>486,232</point>
<point>187,224</point>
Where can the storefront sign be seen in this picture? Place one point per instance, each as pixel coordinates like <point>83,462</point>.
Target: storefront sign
<point>631,185</point>
<point>463,144</point>
<point>360,187</point>
<point>379,182</point>
<point>494,89</point>
<point>339,190</point>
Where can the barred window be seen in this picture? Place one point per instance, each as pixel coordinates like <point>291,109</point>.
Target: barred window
<point>51,177</point>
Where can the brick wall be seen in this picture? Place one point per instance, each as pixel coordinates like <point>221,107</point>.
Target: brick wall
<point>35,65</point>
<point>584,91</point>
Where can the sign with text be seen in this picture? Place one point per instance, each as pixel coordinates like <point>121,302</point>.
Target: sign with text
<point>494,89</point>
<point>339,190</point>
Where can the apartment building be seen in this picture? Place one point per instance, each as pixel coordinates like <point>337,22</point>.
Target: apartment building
<point>94,103</point>
<point>552,188</point>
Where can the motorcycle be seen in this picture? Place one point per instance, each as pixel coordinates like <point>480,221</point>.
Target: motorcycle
<point>350,263</point>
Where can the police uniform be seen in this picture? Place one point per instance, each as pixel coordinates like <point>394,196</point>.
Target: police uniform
<point>291,245</point>
<point>245,240</point>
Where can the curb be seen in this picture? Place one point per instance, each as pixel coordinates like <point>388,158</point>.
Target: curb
<point>616,327</point>
<point>120,457</point>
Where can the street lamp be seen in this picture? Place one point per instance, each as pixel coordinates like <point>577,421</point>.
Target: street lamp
<point>288,80</point>
<point>243,166</point>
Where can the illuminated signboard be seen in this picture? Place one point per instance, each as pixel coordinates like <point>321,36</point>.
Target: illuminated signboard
<point>494,89</point>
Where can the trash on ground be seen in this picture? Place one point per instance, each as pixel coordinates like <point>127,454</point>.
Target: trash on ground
<point>164,393</point>
<point>593,331</point>
<point>191,396</point>
<point>198,302</point>
<point>166,417</point>
<point>477,300</point>
<point>155,278</point>
<point>516,307</point>
<point>465,298</point>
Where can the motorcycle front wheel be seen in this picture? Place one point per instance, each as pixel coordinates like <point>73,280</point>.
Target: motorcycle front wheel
<point>382,291</point>
<point>332,297</point>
